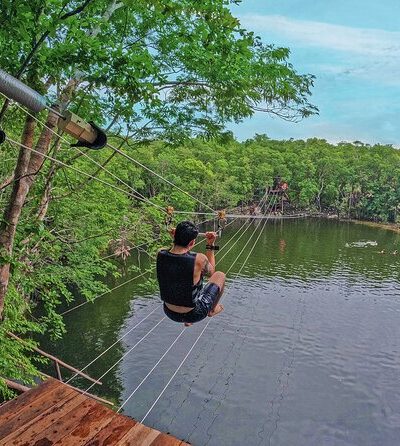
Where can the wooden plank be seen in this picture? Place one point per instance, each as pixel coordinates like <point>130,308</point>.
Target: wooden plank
<point>55,414</point>
<point>89,424</point>
<point>167,440</point>
<point>139,435</point>
<point>53,427</point>
<point>112,432</point>
<point>95,397</point>
<point>8,409</point>
<point>30,411</point>
<point>29,428</point>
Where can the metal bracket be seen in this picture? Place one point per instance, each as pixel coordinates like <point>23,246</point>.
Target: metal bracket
<point>88,134</point>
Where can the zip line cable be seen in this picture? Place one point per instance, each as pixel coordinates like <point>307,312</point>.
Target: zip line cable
<point>233,263</point>
<point>159,176</point>
<point>130,330</point>
<point>136,193</point>
<point>126,353</point>
<point>112,345</point>
<point>151,371</point>
<point>117,150</point>
<point>201,333</point>
<point>248,223</point>
<point>69,166</point>
<point>103,294</point>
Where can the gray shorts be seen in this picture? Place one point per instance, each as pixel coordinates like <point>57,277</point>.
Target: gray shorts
<point>204,302</point>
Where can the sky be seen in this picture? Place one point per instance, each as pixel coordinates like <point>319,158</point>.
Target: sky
<point>353,49</point>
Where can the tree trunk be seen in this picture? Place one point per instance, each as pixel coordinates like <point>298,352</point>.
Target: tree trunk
<point>13,210</point>
<point>28,165</point>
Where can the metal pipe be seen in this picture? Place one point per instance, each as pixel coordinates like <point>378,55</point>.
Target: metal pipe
<point>18,91</point>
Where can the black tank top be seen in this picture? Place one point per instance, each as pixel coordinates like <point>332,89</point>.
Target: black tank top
<point>175,278</point>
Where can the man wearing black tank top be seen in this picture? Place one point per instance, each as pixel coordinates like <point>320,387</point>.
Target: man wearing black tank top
<point>180,275</point>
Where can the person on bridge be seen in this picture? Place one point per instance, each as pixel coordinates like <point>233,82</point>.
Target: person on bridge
<point>180,275</point>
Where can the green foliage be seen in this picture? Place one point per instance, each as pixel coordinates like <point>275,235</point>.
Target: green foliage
<point>161,69</point>
<point>61,258</point>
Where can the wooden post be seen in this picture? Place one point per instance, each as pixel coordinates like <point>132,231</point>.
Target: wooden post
<point>58,371</point>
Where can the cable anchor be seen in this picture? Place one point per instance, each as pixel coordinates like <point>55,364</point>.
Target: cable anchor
<point>88,134</point>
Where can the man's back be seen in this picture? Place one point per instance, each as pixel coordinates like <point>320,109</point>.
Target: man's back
<point>175,273</point>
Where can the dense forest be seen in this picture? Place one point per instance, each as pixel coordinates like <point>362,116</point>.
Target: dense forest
<point>164,78</point>
<point>87,220</point>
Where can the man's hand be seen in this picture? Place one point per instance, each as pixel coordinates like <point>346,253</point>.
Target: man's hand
<point>211,237</point>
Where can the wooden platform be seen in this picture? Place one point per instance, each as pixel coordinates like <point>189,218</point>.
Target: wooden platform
<point>55,414</point>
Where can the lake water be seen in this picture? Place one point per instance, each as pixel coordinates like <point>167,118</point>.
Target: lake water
<point>305,353</point>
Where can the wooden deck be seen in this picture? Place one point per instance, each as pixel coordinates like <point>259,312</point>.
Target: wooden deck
<point>55,414</point>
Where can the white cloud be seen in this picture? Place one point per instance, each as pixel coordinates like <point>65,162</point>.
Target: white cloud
<point>366,53</point>
<point>362,41</point>
<point>357,86</point>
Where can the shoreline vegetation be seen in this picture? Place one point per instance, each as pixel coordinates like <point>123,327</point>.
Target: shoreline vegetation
<point>394,227</point>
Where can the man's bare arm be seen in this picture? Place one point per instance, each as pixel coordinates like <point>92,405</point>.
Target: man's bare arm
<point>208,269</point>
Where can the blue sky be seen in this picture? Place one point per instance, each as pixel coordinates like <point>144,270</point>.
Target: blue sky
<point>353,49</point>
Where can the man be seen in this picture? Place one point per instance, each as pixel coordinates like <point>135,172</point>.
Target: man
<point>180,276</point>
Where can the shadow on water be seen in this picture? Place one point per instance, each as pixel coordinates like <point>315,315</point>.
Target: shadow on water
<point>306,352</point>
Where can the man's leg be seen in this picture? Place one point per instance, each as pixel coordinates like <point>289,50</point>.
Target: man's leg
<point>219,279</point>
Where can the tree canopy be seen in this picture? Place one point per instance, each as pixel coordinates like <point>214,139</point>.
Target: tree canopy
<point>157,69</point>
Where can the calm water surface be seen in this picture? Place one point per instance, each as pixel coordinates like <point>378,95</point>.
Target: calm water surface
<point>306,352</point>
